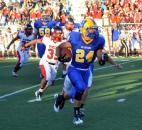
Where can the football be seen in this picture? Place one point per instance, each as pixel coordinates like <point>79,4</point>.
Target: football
<point>65,50</point>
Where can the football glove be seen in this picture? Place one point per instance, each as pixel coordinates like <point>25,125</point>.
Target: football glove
<point>64,59</point>
<point>103,59</point>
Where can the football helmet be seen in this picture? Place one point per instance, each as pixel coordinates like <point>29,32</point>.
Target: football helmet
<point>57,34</point>
<point>46,15</point>
<point>89,28</point>
<point>69,24</point>
<point>28,29</point>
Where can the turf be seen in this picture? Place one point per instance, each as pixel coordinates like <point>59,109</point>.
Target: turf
<point>103,111</point>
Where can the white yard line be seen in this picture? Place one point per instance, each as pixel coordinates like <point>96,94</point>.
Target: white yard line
<point>8,66</point>
<point>18,91</point>
<point>34,86</point>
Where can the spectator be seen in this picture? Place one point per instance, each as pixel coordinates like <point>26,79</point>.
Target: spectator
<point>8,38</point>
<point>135,45</point>
<point>2,4</point>
<point>124,46</point>
<point>2,49</point>
<point>115,40</point>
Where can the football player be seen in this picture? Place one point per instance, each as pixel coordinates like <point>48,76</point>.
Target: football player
<point>23,57</point>
<point>43,26</point>
<point>86,45</point>
<point>67,28</point>
<point>49,61</point>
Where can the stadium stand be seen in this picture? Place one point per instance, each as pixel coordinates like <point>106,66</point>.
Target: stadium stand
<point>127,14</point>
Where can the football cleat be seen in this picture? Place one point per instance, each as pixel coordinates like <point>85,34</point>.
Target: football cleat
<point>77,120</point>
<point>59,103</point>
<point>38,95</point>
<point>14,74</point>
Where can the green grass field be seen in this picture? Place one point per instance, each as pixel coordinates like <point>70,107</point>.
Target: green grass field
<point>103,111</point>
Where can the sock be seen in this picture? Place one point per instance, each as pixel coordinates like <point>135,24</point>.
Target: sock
<point>17,67</point>
<point>76,111</point>
<point>40,90</point>
<point>82,105</point>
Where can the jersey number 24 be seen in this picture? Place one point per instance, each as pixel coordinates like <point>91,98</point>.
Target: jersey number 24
<point>80,56</point>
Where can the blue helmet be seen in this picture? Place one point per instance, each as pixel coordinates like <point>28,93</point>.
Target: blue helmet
<point>90,28</point>
<point>28,26</point>
<point>28,29</point>
<point>46,15</point>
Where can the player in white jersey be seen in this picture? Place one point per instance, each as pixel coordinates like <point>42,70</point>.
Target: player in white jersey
<point>49,61</point>
<point>69,26</point>
<point>23,56</point>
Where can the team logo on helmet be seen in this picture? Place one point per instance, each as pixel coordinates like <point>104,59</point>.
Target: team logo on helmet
<point>89,27</point>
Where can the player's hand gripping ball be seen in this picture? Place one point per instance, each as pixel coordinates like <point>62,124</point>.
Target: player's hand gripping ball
<point>65,52</point>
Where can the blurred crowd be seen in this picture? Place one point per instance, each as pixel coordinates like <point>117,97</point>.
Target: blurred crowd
<point>123,15</point>
<point>119,11</point>
<point>25,11</point>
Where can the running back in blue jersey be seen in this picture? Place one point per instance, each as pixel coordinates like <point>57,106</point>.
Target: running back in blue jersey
<point>84,54</point>
<point>83,57</point>
<point>43,28</point>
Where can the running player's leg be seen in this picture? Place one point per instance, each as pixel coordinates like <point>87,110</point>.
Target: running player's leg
<point>18,65</point>
<point>54,69</point>
<point>76,77</point>
<point>46,72</point>
<point>61,98</point>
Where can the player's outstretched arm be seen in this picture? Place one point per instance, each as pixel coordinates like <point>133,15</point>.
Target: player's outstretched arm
<point>13,40</point>
<point>31,43</point>
<point>103,57</point>
<point>111,61</point>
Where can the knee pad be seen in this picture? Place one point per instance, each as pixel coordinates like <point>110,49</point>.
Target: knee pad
<point>78,95</point>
